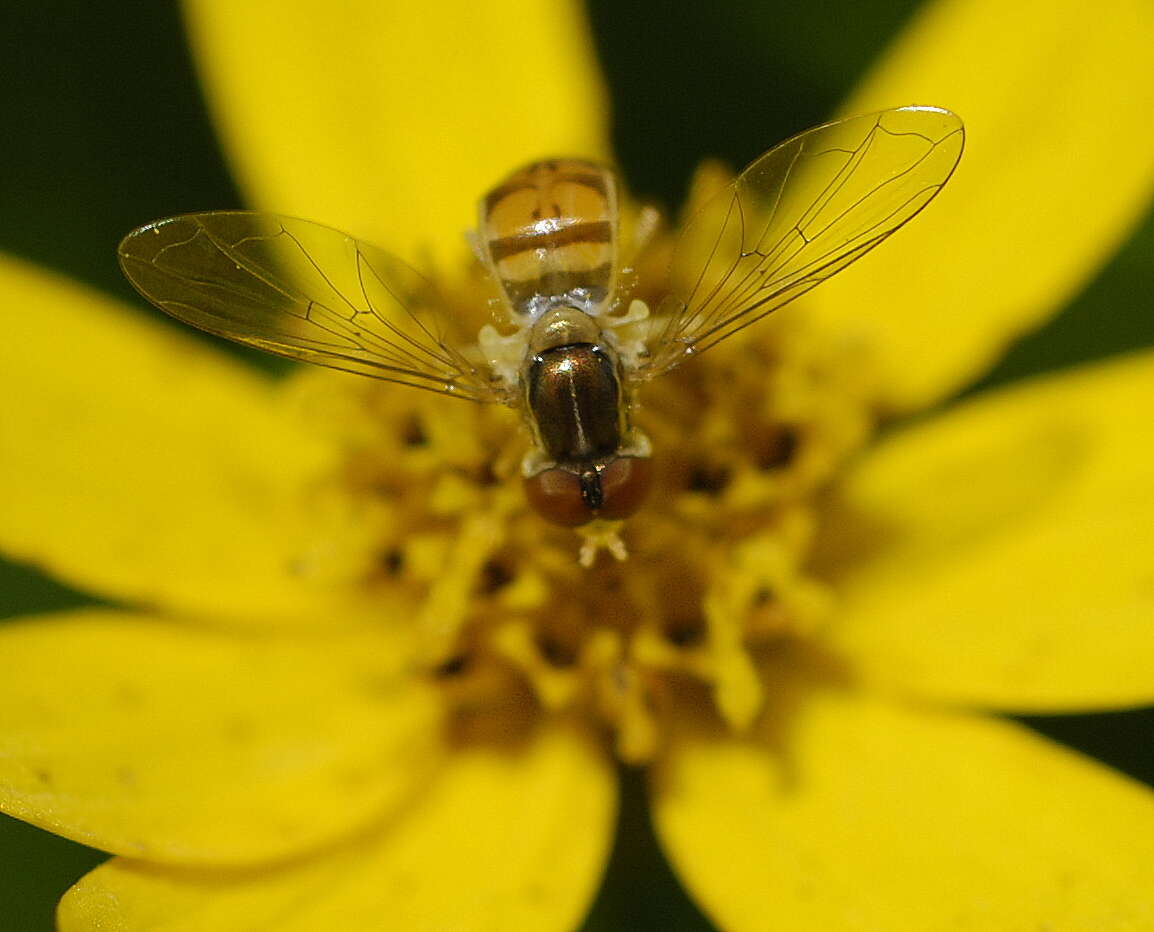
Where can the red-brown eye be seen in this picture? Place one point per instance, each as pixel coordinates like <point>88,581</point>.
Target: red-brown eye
<point>624,485</point>
<point>613,491</point>
<point>555,495</point>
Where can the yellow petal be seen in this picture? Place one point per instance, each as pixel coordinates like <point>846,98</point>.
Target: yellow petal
<point>1003,553</point>
<point>502,840</point>
<point>173,744</point>
<point>1059,166</point>
<point>870,816</point>
<point>138,463</point>
<point>389,120</point>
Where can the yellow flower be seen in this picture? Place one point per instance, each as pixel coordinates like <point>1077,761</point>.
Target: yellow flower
<point>356,685</point>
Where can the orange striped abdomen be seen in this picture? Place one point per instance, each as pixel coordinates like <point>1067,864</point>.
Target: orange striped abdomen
<point>550,235</point>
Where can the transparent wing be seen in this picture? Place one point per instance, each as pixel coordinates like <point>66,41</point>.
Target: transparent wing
<point>304,291</point>
<point>797,215</point>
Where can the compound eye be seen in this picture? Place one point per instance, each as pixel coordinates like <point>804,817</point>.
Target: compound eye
<point>555,495</point>
<point>624,485</point>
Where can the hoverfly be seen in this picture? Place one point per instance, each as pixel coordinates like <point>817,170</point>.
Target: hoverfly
<point>549,236</point>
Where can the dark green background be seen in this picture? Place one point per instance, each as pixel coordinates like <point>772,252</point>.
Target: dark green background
<point>104,128</point>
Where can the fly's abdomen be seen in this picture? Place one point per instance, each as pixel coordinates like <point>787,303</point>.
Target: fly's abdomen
<point>550,236</point>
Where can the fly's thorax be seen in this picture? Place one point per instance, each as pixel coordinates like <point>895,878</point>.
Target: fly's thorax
<point>576,405</point>
<point>572,384</point>
<point>573,399</point>
<point>549,233</point>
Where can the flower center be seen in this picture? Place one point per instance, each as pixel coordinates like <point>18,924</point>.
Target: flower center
<point>506,620</point>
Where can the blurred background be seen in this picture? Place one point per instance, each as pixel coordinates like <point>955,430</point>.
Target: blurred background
<point>105,129</point>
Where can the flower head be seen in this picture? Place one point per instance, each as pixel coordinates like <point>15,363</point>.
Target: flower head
<point>360,685</point>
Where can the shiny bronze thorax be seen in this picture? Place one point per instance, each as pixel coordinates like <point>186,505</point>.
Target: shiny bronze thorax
<point>574,395</point>
<point>572,387</point>
<point>576,406</point>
